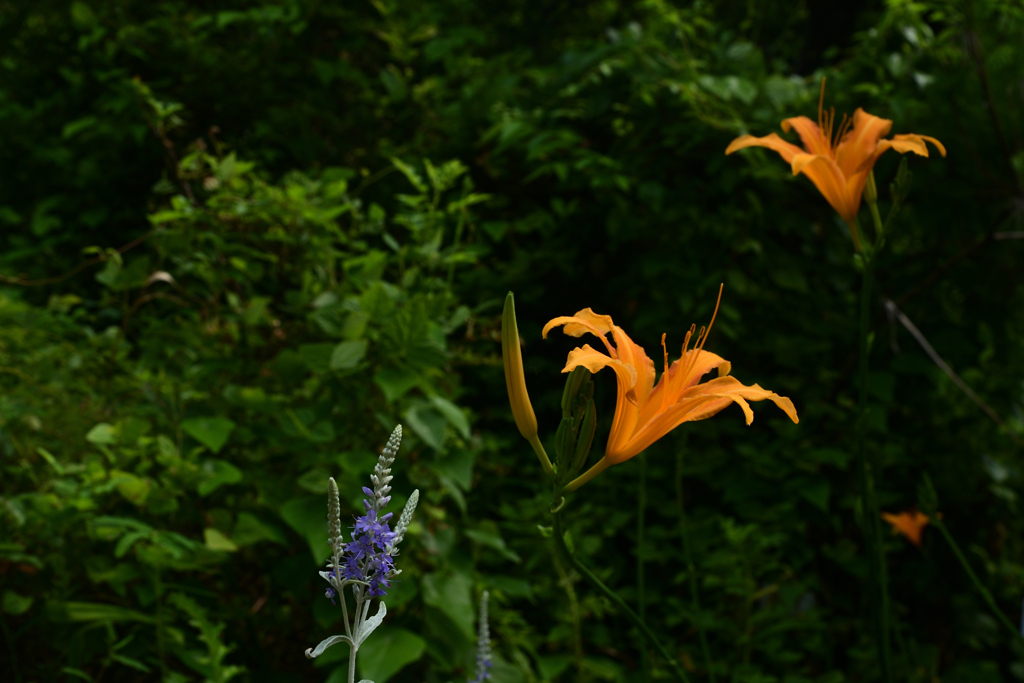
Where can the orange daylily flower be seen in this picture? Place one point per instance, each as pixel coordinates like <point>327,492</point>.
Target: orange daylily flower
<point>645,411</point>
<point>911,524</point>
<point>838,161</point>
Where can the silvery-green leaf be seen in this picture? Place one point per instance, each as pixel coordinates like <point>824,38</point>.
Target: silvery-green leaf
<point>371,624</point>
<point>324,644</point>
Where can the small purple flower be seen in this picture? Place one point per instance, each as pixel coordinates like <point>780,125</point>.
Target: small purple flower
<point>365,558</point>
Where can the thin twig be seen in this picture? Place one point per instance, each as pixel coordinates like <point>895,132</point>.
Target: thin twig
<point>77,269</point>
<point>893,310</point>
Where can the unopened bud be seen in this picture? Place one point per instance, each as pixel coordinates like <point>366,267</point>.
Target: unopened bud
<point>515,379</point>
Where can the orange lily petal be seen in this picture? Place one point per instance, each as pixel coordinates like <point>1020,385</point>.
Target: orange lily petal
<point>838,171</point>
<point>830,181</point>
<point>644,412</point>
<point>594,360</point>
<point>910,524</point>
<point>910,143</point>
<point>787,149</point>
<point>861,142</point>
<point>581,323</point>
<point>729,389</point>
<point>810,134</point>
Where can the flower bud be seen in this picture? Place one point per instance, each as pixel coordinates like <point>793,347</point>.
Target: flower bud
<point>585,437</point>
<point>515,379</point>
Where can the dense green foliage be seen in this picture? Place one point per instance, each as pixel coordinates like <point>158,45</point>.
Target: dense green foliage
<point>242,241</point>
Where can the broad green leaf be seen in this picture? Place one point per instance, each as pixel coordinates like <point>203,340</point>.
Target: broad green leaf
<point>212,432</point>
<point>347,355</point>
<point>103,434</point>
<point>218,473</point>
<point>427,423</point>
<point>451,593</point>
<point>394,382</point>
<point>251,529</point>
<point>453,414</point>
<point>492,540</point>
<point>16,604</point>
<point>216,540</point>
<point>93,611</point>
<point>317,357</point>
<point>308,516</point>
<point>134,489</point>
<point>388,652</point>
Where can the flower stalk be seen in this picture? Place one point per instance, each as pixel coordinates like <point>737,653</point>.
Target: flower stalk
<point>877,579</point>
<point>978,585</point>
<point>364,565</point>
<point>560,534</point>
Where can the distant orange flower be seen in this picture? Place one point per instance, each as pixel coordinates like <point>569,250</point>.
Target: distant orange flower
<point>838,162</point>
<point>911,524</point>
<point>645,411</point>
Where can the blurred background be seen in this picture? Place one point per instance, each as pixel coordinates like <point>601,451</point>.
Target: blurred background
<point>242,240</point>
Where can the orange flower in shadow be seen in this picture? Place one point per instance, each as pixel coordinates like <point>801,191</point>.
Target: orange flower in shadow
<point>645,411</point>
<point>911,524</point>
<point>838,161</point>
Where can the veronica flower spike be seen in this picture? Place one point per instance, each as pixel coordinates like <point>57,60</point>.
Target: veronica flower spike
<point>645,411</point>
<point>483,645</point>
<point>838,160</point>
<point>366,564</point>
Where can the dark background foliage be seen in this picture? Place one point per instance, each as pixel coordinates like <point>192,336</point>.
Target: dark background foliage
<point>241,241</point>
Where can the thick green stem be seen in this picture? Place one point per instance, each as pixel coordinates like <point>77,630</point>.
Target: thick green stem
<point>542,455</point>
<point>599,467</point>
<point>691,569</point>
<point>558,533</point>
<point>641,605</point>
<point>351,664</point>
<point>877,583</point>
<point>974,578</point>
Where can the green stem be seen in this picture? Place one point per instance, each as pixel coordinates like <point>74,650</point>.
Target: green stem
<point>641,604</point>
<point>614,597</point>
<point>351,664</point>
<point>974,577</point>
<point>599,467</point>
<point>877,584</point>
<point>691,569</point>
<point>542,454</point>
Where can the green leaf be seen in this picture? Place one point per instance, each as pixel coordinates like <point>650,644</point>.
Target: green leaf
<point>218,473</point>
<point>251,529</point>
<point>127,541</point>
<point>451,594</point>
<point>212,432</point>
<point>77,126</point>
<point>453,414</point>
<point>347,355</point>
<point>94,611</point>
<point>394,382</point>
<point>308,516</point>
<point>16,604</point>
<point>388,652</point>
<point>48,457</point>
<point>492,540</point>
<point>215,540</point>
<point>427,423</point>
<point>317,357</point>
<point>102,434</point>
